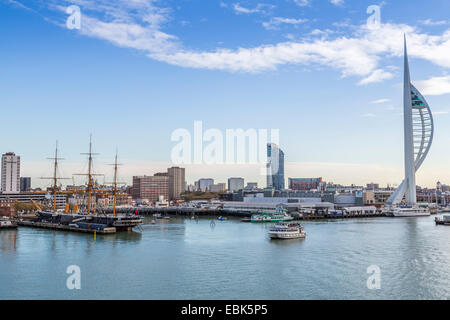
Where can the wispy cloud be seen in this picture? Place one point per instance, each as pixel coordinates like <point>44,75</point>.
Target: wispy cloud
<point>368,115</point>
<point>429,22</point>
<point>434,86</point>
<point>376,76</point>
<point>275,22</point>
<point>139,24</point>
<point>301,3</point>
<point>380,101</point>
<point>260,8</point>
<point>337,2</point>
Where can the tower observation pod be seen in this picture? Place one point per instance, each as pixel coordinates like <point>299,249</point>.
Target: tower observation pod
<point>418,135</point>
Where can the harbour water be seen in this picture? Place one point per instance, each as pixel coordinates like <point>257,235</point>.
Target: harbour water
<point>210,259</point>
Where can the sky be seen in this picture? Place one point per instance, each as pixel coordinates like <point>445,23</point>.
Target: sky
<point>326,73</point>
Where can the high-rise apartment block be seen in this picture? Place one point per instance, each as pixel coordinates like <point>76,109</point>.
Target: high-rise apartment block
<point>10,173</point>
<point>177,182</point>
<point>151,187</point>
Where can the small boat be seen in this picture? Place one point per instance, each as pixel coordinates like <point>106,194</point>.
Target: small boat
<point>166,218</point>
<point>443,220</point>
<point>7,224</point>
<point>287,230</point>
<point>158,215</point>
<point>279,215</point>
<point>444,209</point>
<point>222,218</point>
<point>153,221</point>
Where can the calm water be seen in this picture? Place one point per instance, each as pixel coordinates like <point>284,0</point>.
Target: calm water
<point>188,259</point>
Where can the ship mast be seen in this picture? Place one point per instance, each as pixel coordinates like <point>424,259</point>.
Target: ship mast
<point>115,183</point>
<point>90,173</point>
<point>55,177</point>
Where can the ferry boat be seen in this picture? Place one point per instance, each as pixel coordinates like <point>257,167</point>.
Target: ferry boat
<point>279,215</point>
<point>443,220</point>
<point>408,211</point>
<point>287,230</point>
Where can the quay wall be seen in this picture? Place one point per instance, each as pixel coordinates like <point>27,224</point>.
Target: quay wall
<point>144,211</point>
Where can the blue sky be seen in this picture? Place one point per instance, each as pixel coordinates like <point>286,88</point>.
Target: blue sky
<point>139,69</point>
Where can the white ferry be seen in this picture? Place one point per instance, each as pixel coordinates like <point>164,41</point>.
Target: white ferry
<point>279,215</point>
<point>444,220</point>
<point>407,211</point>
<point>287,230</point>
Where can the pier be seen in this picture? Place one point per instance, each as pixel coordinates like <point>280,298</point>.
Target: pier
<point>61,227</point>
<point>178,211</point>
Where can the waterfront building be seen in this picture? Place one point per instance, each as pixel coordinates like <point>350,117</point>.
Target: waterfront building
<point>151,187</point>
<point>235,184</point>
<point>373,186</point>
<point>25,184</point>
<point>219,187</point>
<point>418,137</point>
<point>7,208</point>
<point>176,182</point>
<point>191,187</point>
<point>251,186</point>
<point>204,184</point>
<point>275,167</point>
<point>39,197</point>
<point>305,184</point>
<point>10,173</point>
<point>377,197</point>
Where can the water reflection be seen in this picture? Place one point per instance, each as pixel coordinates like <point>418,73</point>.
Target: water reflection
<point>8,240</point>
<point>209,259</point>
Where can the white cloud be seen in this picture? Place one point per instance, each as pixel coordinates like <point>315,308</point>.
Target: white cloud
<point>275,22</point>
<point>376,76</point>
<point>138,25</point>
<point>429,22</point>
<point>301,3</point>
<point>380,101</point>
<point>434,86</point>
<point>337,2</point>
<point>440,112</point>
<point>260,8</point>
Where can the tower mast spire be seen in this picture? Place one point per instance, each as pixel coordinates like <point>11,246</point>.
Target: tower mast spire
<point>410,170</point>
<point>418,136</point>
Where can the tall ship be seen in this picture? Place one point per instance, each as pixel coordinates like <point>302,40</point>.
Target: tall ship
<point>86,219</point>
